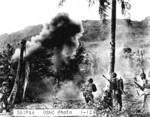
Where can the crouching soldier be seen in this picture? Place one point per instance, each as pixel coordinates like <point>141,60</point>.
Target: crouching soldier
<point>87,91</point>
<point>107,99</point>
<point>4,92</point>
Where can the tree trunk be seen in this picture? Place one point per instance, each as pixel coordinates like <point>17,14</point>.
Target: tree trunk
<point>12,97</point>
<point>113,33</point>
<point>26,80</point>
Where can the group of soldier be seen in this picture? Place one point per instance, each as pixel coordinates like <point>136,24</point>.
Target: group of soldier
<point>112,96</point>
<point>112,93</point>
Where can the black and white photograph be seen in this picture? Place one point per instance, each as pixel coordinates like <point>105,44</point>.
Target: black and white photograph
<point>75,58</point>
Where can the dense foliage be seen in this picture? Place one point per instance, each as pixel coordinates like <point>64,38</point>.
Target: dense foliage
<point>5,61</point>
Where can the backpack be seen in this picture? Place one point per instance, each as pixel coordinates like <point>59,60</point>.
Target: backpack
<point>94,88</point>
<point>114,84</point>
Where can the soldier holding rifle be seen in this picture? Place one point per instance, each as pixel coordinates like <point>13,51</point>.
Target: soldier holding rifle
<point>116,89</point>
<point>145,88</point>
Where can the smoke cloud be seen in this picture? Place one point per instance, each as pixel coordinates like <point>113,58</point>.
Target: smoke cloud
<point>69,91</point>
<point>61,35</point>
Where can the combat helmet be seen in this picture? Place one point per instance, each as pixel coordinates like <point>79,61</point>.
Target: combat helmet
<point>143,75</point>
<point>90,80</point>
<point>113,75</point>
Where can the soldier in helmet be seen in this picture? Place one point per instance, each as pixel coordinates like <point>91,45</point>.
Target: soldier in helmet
<point>88,89</point>
<point>117,87</point>
<point>107,98</point>
<point>113,83</point>
<point>145,91</point>
<point>143,76</point>
<point>4,91</point>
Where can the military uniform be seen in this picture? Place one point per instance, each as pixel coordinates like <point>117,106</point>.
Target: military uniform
<point>113,84</point>
<point>116,86</point>
<point>4,91</point>
<point>107,99</point>
<point>146,92</point>
<point>87,93</point>
<point>120,89</point>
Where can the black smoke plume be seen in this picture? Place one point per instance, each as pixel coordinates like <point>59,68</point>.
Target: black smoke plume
<point>57,43</point>
<point>60,33</point>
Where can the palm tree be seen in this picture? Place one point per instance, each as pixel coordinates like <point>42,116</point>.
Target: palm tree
<point>124,6</point>
<point>104,6</point>
<point>113,37</point>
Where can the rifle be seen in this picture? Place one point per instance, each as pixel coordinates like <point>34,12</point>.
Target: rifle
<point>106,78</point>
<point>139,86</point>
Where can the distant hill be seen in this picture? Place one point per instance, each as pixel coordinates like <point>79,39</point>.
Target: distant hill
<point>93,31</point>
<point>14,38</point>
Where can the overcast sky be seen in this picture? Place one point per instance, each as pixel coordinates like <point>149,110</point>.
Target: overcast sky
<point>18,14</point>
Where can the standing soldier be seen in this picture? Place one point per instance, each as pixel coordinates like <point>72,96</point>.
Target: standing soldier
<point>145,88</point>
<point>87,91</point>
<point>116,87</point>
<point>120,91</point>
<point>113,84</point>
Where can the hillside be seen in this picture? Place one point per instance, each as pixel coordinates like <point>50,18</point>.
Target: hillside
<point>93,31</point>
<point>14,38</point>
